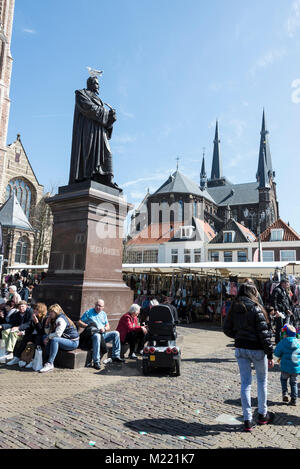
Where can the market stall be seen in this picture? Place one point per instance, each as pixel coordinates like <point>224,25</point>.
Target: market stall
<point>204,291</point>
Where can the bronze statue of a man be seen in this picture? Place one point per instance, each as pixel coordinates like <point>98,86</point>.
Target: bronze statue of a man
<point>91,156</point>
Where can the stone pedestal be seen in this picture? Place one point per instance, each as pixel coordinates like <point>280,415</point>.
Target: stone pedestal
<point>86,253</point>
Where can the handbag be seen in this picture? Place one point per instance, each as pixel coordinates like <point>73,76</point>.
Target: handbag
<point>37,363</point>
<point>28,353</point>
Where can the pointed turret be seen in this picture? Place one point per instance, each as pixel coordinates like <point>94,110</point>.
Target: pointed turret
<point>203,176</point>
<point>264,180</point>
<point>216,171</point>
<point>264,155</point>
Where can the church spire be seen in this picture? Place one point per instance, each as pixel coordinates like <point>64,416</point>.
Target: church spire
<point>203,176</point>
<point>216,171</point>
<point>264,181</point>
<point>265,158</point>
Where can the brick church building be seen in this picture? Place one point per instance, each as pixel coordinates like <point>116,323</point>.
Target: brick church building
<point>24,217</point>
<point>200,209</point>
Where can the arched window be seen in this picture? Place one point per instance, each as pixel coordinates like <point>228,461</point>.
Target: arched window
<point>180,210</point>
<point>23,193</point>
<point>22,250</point>
<point>195,208</point>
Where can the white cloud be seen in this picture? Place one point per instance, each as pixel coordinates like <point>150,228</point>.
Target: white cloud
<point>238,127</point>
<point>134,182</point>
<point>137,195</point>
<point>293,21</point>
<point>126,138</point>
<point>28,31</point>
<point>128,115</point>
<point>268,59</point>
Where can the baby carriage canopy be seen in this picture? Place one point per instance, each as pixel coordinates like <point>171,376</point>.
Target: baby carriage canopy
<point>162,322</point>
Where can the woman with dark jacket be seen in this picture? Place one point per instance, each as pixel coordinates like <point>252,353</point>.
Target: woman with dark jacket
<point>247,322</point>
<point>33,334</point>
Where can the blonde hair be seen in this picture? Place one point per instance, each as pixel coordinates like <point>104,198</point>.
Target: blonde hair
<point>41,309</point>
<point>56,308</point>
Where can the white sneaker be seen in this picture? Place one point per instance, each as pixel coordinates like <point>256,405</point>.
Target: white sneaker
<point>29,365</point>
<point>14,361</point>
<point>22,364</point>
<point>107,360</point>
<point>9,356</point>
<point>47,367</point>
<point>3,359</point>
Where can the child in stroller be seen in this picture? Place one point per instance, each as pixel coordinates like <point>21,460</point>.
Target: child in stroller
<point>161,350</point>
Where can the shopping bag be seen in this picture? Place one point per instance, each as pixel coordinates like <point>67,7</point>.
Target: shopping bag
<point>37,363</point>
<point>2,347</point>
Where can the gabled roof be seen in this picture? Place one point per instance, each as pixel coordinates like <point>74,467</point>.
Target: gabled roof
<point>244,235</point>
<point>28,161</point>
<point>289,233</point>
<point>177,183</point>
<point>12,215</point>
<point>250,236</point>
<point>204,228</point>
<point>158,233</point>
<point>235,194</point>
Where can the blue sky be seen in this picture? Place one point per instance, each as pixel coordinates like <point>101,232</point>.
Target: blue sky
<point>171,68</point>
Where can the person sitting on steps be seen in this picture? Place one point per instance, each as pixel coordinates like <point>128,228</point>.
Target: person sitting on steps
<point>131,332</point>
<point>98,317</point>
<point>61,333</point>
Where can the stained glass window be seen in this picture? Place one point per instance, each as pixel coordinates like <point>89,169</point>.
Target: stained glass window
<point>22,250</point>
<point>23,193</point>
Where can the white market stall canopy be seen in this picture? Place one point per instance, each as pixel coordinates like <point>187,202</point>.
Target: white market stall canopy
<point>239,269</point>
<point>28,267</point>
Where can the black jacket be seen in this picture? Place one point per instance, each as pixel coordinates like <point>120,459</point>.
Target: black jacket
<point>22,321</point>
<point>85,339</point>
<point>39,328</point>
<point>246,324</point>
<point>280,300</point>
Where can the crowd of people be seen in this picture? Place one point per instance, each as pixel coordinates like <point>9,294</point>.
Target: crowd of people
<point>50,329</point>
<point>26,327</point>
<point>20,286</point>
<point>252,326</point>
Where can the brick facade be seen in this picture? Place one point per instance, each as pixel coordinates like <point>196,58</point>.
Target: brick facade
<point>6,22</point>
<point>15,168</point>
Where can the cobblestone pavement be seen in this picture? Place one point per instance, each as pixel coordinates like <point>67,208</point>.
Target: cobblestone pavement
<point>119,408</point>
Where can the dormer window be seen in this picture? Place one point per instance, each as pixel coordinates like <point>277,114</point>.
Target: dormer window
<point>277,235</point>
<point>186,232</point>
<point>228,236</point>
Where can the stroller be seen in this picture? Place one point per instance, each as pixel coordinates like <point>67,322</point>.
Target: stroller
<point>161,350</point>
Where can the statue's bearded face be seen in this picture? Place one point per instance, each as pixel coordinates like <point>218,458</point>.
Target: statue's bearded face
<point>93,84</point>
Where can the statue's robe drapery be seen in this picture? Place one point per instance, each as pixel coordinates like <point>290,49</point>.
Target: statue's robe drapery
<point>91,157</point>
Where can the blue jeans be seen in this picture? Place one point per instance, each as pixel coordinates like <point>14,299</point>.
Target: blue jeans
<point>293,377</point>
<point>113,337</point>
<point>59,342</point>
<point>258,358</point>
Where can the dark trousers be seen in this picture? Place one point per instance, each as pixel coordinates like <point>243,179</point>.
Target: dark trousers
<point>20,346</point>
<point>135,339</point>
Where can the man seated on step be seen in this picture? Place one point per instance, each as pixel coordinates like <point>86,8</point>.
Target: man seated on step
<point>14,329</point>
<point>98,317</point>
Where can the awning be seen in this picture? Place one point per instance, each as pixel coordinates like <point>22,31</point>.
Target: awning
<point>224,269</point>
<point>27,267</point>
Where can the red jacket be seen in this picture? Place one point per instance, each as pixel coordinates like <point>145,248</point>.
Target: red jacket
<point>127,324</point>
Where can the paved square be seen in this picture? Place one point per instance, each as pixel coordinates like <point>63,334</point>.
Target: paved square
<point>119,408</point>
